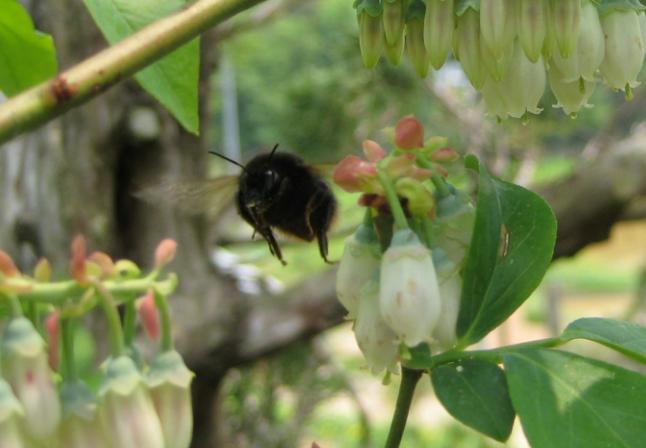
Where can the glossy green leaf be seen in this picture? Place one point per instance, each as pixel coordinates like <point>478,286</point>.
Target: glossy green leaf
<point>27,56</point>
<point>511,248</point>
<point>173,80</point>
<point>625,337</point>
<point>475,392</point>
<point>566,400</point>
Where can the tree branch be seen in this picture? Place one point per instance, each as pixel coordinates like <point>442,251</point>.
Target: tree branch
<point>87,79</point>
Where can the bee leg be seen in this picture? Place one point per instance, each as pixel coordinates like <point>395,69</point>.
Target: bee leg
<point>321,236</point>
<point>274,248</point>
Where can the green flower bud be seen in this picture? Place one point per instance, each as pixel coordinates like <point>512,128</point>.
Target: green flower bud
<point>498,25</point>
<point>466,46</point>
<point>589,51</point>
<point>370,31</point>
<point>532,27</point>
<point>409,296</point>
<point>375,339</point>
<point>394,52</point>
<point>438,30</point>
<point>624,48</point>
<point>415,49</point>
<point>394,17</point>
<point>571,96</point>
<point>565,17</point>
<point>360,260</point>
<point>419,198</point>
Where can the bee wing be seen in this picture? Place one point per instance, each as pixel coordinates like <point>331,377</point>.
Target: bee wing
<point>209,197</point>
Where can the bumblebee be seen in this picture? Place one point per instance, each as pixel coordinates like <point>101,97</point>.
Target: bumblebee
<point>275,190</point>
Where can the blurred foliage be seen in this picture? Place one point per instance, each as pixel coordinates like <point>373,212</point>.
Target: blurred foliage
<point>270,404</point>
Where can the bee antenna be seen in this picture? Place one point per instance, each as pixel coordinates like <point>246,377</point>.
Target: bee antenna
<point>273,151</point>
<point>227,159</point>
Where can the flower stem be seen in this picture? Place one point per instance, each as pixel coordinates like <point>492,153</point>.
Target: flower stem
<point>67,336</point>
<point>494,355</point>
<point>410,378</point>
<point>111,314</point>
<point>164,315</point>
<point>129,321</point>
<point>393,200</point>
<point>90,77</point>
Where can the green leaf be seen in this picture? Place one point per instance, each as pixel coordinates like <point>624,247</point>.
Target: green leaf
<point>173,80</point>
<point>625,337</point>
<point>511,248</point>
<point>566,400</point>
<point>27,56</point>
<point>475,392</point>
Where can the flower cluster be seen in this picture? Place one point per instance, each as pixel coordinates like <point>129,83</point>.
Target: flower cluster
<point>511,49</point>
<point>400,273</point>
<point>43,399</point>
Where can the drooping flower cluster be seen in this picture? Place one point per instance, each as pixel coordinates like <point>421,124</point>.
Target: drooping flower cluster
<point>510,50</point>
<point>138,404</point>
<point>399,276</point>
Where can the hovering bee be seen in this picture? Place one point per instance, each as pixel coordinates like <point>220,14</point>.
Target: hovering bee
<point>275,190</point>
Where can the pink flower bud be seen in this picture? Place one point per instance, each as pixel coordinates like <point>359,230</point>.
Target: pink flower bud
<point>104,261</point>
<point>373,151</point>
<point>409,133</point>
<point>149,315</point>
<point>353,174</point>
<point>51,326</point>
<point>445,155</point>
<point>77,263</point>
<point>7,266</point>
<point>165,252</point>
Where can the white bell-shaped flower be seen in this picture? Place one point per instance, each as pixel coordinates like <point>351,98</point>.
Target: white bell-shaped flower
<point>589,52</point>
<point>448,274</point>
<point>571,96</point>
<point>26,369</point>
<point>360,261</point>
<point>375,339</point>
<point>624,49</point>
<point>409,296</point>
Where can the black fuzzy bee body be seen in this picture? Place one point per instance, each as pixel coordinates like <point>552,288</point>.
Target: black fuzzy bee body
<point>280,190</point>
